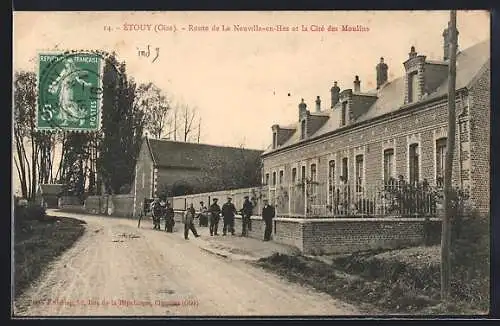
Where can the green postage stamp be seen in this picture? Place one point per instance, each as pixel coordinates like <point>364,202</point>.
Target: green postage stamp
<point>69,91</point>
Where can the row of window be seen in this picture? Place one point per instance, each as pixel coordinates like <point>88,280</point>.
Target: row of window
<point>388,167</point>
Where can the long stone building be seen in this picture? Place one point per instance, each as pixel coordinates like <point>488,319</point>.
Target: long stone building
<point>363,138</point>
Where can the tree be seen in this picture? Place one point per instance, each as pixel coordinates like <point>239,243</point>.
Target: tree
<point>74,166</point>
<point>156,107</point>
<point>33,157</point>
<point>122,127</point>
<point>242,168</point>
<point>184,123</point>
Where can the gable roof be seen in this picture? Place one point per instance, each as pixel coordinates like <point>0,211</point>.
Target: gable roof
<point>184,155</point>
<point>390,97</point>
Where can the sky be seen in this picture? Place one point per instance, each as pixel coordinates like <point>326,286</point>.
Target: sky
<point>240,80</point>
<point>243,82</point>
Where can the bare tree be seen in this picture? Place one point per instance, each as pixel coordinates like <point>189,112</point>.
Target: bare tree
<point>33,157</point>
<point>156,107</point>
<point>184,122</point>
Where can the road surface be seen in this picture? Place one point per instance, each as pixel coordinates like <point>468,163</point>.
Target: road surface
<point>117,269</point>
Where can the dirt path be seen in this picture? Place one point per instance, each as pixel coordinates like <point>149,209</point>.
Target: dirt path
<point>118,269</point>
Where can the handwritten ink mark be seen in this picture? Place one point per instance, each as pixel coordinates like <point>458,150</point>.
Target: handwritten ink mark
<point>157,54</point>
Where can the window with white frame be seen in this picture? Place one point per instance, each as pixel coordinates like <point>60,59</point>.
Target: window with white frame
<point>281,177</point>
<point>388,164</point>
<point>267,179</point>
<point>440,161</point>
<point>303,173</point>
<point>294,175</point>
<point>414,164</point>
<point>331,179</point>
<point>359,173</point>
<point>345,169</point>
<point>314,178</point>
<point>313,172</point>
<point>274,178</point>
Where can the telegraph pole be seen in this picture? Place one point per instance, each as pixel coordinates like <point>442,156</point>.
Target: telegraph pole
<point>450,148</point>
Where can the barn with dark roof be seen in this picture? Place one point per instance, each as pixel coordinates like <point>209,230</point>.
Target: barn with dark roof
<point>172,168</point>
<point>363,138</point>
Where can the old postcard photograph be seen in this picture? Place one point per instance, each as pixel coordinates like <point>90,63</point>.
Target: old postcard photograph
<point>259,163</point>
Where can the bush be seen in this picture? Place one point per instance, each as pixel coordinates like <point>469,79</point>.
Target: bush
<point>125,189</point>
<point>33,211</point>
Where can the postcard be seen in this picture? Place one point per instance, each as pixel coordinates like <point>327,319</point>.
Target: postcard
<point>260,163</point>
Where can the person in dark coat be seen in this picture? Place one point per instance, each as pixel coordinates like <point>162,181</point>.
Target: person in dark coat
<point>214,217</point>
<point>156,212</point>
<point>246,213</point>
<point>228,212</point>
<point>189,216</point>
<point>268,213</point>
<point>169,218</point>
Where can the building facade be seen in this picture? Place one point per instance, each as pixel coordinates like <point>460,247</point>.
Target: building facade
<point>365,140</point>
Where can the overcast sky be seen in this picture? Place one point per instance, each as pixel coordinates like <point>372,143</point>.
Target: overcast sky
<point>240,80</point>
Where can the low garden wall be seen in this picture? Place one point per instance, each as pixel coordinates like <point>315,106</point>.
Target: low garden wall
<point>343,235</point>
<point>116,205</point>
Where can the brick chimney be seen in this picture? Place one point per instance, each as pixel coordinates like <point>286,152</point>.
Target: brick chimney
<point>302,109</point>
<point>381,73</point>
<point>446,42</point>
<point>335,91</point>
<point>318,104</point>
<point>357,84</point>
<point>412,53</point>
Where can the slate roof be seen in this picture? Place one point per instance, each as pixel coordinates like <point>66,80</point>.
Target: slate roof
<point>175,154</point>
<point>391,95</point>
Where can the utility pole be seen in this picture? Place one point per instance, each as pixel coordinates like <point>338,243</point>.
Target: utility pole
<point>450,148</point>
<point>199,130</point>
<point>175,124</point>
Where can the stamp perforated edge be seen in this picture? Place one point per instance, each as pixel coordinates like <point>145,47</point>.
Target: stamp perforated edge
<point>62,52</point>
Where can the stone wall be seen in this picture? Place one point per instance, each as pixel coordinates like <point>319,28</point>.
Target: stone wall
<point>339,235</point>
<point>116,205</point>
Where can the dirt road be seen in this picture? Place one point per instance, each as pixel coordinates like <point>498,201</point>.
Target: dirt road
<point>119,269</point>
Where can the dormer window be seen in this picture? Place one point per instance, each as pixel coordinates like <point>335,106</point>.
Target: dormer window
<point>415,76</point>
<point>412,87</point>
<point>303,129</point>
<point>343,114</point>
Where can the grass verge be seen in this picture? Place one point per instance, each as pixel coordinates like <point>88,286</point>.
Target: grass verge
<point>39,242</point>
<point>371,282</point>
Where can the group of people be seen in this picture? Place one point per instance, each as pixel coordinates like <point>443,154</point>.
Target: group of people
<point>162,210</point>
<point>213,214</point>
<point>228,212</point>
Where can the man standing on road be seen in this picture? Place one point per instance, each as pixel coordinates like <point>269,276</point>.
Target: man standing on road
<point>268,214</point>
<point>189,222</point>
<point>246,213</point>
<point>228,212</point>
<point>156,212</point>
<point>214,217</point>
<point>169,218</point>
